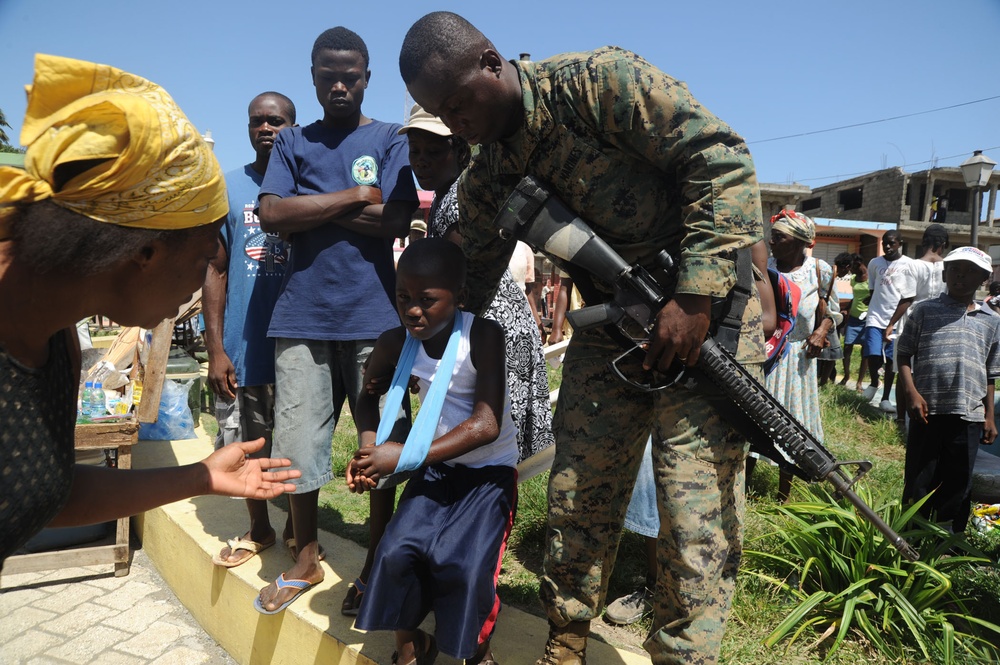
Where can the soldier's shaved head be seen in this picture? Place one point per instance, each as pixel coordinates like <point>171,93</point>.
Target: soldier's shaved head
<point>444,39</point>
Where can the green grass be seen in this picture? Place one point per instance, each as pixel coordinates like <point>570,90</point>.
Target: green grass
<point>853,430</point>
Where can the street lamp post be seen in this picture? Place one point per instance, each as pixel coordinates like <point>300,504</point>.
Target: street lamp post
<point>976,172</point>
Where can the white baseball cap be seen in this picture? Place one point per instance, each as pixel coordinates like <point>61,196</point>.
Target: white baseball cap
<point>972,255</point>
<point>421,119</point>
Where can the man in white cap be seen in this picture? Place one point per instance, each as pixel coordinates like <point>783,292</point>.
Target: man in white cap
<point>949,358</point>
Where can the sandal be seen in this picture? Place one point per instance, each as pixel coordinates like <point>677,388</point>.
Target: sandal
<point>240,544</point>
<point>352,601</point>
<point>428,655</point>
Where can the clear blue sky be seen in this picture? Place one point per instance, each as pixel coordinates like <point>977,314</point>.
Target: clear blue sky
<point>769,68</point>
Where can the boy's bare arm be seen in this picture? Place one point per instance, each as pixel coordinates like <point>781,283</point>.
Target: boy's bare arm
<point>389,220</point>
<point>916,404</point>
<point>308,211</point>
<point>221,373</point>
<point>897,314</point>
<point>990,426</point>
<point>488,350</point>
<point>382,362</point>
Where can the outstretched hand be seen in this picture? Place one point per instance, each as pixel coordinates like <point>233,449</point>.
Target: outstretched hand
<point>232,473</point>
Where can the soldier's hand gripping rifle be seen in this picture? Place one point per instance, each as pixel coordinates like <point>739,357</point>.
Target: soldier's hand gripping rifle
<point>532,215</point>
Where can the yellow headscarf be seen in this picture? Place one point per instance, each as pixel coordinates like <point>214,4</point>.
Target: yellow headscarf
<point>158,173</point>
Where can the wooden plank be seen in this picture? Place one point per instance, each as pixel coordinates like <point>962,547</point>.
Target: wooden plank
<point>85,556</point>
<point>109,435</point>
<point>122,350</point>
<point>156,371</point>
<point>122,528</point>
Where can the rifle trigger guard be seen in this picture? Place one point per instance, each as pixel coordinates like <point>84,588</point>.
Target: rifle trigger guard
<point>669,380</point>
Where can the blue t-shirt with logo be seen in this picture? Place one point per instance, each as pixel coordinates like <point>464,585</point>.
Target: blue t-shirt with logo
<point>257,262</point>
<point>340,285</point>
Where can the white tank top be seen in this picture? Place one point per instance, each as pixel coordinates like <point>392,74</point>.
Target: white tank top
<point>459,400</point>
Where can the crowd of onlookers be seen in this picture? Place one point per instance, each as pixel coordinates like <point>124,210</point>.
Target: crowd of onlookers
<point>306,310</point>
<point>915,319</point>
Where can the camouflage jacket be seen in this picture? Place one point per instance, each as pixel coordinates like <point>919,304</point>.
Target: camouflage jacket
<point>630,151</point>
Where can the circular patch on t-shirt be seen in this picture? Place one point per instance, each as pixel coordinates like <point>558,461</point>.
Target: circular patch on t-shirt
<point>364,170</point>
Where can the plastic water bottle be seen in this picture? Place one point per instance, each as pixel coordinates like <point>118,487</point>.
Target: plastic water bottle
<point>95,404</point>
<point>85,397</point>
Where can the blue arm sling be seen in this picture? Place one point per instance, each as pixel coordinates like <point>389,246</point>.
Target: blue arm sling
<point>418,441</point>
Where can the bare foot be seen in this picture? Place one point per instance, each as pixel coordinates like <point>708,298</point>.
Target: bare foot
<point>306,568</point>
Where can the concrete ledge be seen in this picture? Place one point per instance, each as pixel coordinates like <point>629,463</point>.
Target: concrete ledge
<point>986,478</point>
<point>182,537</point>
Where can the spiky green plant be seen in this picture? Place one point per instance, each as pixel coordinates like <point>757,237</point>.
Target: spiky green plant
<point>844,578</point>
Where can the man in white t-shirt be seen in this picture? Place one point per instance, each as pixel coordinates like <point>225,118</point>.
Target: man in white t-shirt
<point>928,277</point>
<point>893,285</point>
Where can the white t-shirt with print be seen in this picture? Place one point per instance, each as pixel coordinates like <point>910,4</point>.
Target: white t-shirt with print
<point>890,282</point>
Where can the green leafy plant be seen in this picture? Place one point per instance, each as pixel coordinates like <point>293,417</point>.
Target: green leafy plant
<point>844,578</point>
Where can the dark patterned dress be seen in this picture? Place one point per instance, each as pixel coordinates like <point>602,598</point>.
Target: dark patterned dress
<point>526,376</point>
<point>37,421</point>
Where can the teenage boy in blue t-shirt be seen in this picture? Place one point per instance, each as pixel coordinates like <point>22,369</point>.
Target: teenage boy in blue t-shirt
<point>949,357</point>
<point>241,287</point>
<point>341,190</point>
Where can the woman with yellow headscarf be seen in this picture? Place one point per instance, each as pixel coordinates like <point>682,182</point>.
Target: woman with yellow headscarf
<point>117,211</point>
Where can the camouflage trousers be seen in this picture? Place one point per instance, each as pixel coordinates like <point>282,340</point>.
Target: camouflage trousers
<point>601,427</point>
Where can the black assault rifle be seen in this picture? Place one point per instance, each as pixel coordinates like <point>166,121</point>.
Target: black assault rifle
<point>533,215</point>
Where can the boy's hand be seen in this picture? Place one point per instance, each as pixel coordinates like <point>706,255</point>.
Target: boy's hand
<point>917,407</point>
<point>356,482</point>
<point>374,462</point>
<point>989,431</point>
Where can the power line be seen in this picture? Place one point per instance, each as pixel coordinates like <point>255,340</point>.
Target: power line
<point>926,161</point>
<point>874,122</point>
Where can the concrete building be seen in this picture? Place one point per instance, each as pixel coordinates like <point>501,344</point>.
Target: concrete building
<point>852,215</point>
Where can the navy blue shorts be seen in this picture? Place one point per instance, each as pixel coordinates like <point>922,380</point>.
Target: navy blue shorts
<point>441,552</point>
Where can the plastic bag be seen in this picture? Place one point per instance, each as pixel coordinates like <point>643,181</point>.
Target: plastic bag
<point>175,420</point>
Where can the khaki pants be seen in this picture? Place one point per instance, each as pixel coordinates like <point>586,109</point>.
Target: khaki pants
<point>601,428</point>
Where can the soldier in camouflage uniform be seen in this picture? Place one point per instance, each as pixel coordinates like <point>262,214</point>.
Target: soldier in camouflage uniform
<point>630,151</point>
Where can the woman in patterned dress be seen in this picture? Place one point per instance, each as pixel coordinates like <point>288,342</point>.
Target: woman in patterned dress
<point>437,159</point>
<point>794,380</point>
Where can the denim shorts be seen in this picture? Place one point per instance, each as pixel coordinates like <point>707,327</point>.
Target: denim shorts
<point>313,379</point>
<point>854,331</point>
<point>249,416</point>
<point>871,343</point>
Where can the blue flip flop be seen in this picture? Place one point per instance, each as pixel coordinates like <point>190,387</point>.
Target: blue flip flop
<point>282,583</point>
